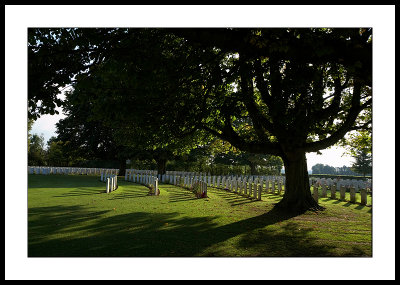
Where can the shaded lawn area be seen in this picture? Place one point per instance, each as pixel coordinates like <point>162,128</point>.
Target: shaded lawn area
<point>72,216</point>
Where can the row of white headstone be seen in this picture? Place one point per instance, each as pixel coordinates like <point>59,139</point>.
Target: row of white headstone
<point>143,177</point>
<point>152,182</point>
<point>110,179</point>
<point>357,183</point>
<point>111,183</point>
<point>254,189</point>
<point>243,185</point>
<point>249,178</point>
<point>240,186</point>
<point>273,185</point>
<point>342,192</point>
<point>253,186</point>
<point>107,173</point>
<point>45,170</point>
<point>192,184</point>
<point>250,186</point>
<point>140,171</point>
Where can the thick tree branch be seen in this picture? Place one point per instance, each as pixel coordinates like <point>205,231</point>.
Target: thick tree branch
<point>355,109</point>
<point>334,107</point>
<point>246,84</point>
<point>261,84</point>
<point>234,139</point>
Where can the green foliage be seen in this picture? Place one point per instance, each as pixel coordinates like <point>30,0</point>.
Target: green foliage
<point>55,155</point>
<point>363,163</point>
<point>113,106</point>
<point>358,142</point>
<point>36,152</point>
<point>30,124</point>
<point>177,81</point>
<point>228,159</point>
<point>320,168</point>
<point>323,169</point>
<point>259,164</point>
<point>56,57</point>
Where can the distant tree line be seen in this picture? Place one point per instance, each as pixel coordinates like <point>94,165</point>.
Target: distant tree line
<point>344,170</point>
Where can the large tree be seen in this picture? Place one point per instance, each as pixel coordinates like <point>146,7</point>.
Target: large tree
<point>283,92</point>
<point>297,91</point>
<point>130,94</point>
<point>86,139</point>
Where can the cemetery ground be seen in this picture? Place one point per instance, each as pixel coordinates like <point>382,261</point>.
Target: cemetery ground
<point>72,216</point>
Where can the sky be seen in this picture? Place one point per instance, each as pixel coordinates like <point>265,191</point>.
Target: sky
<point>19,17</point>
<point>46,125</point>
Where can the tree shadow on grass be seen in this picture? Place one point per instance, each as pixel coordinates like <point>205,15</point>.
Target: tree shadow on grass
<point>270,196</point>
<point>81,191</point>
<point>45,221</point>
<point>177,194</point>
<point>64,181</point>
<point>129,194</point>
<point>348,204</point>
<point>234,199</point>
<point>129,191</point>
<point>77,232</point>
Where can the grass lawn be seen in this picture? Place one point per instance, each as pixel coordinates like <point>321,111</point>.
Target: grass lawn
<point>72,216</point>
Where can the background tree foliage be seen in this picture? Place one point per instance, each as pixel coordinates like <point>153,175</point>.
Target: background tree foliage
<point>362,163</point>
<point>36,152</point>
<point>320,168</point>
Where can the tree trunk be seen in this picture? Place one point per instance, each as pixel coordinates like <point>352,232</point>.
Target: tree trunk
<point>297,197</point>
<point>161,165</point>
<point>122,167</point>
<point>252,168</point>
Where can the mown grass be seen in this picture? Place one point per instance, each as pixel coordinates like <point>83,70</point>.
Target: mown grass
<point>72,216</point>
